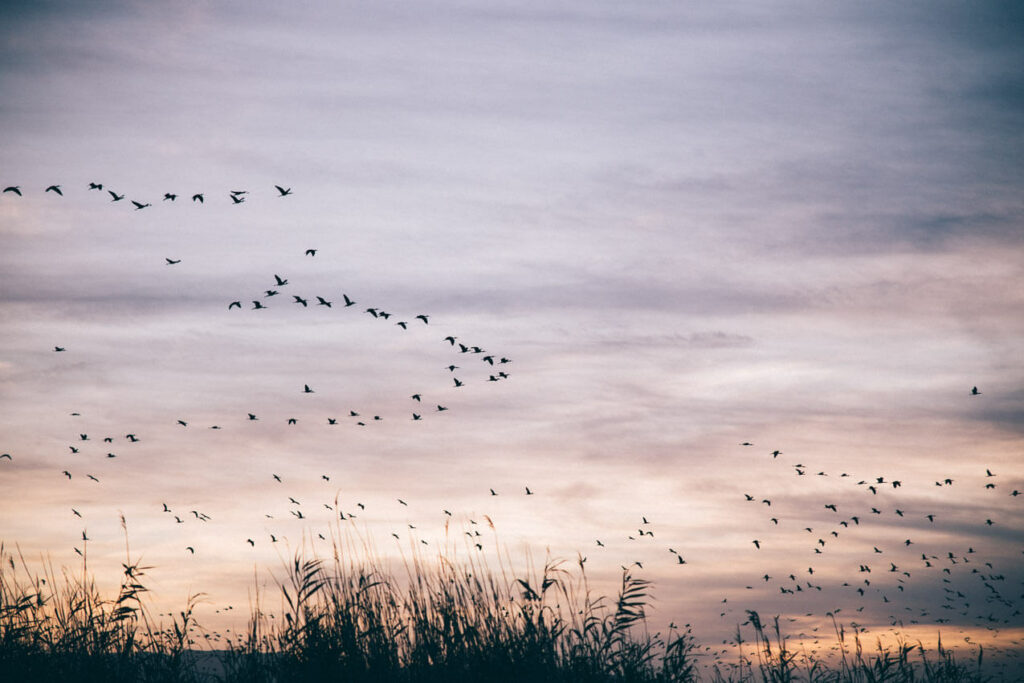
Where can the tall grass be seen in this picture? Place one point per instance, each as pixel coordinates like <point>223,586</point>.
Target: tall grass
<point>444,616</point>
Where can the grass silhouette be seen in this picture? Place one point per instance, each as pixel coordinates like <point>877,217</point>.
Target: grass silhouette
<point>447,617</point>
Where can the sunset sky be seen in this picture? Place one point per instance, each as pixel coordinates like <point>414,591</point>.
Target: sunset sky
<point>687,225</point>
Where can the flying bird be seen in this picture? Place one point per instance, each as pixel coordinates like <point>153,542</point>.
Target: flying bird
<point>311,252</point>
<point>55,188</point>
<point>171,262</point>
<point>348,302</point>
<point>283,192</point>
<point>198,197</point>
<point>95,186</point>
<point>234,304</point>
<point>140,205</point>
<point>300,300</point>
<point>58,349</point>
<point>168,195</point>
<point>323,302</point>
<point>237,199</point>
<point>13,188</point>
<point>114,196</point>
<point>257,305</point>
<point>975,392</point>
<point>423,318</point>
<point>281,282</point>
<point>307,390</point>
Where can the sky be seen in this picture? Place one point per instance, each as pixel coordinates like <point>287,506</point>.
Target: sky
<point>687,226</point>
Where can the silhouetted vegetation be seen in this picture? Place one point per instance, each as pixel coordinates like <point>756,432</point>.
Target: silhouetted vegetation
<point>446,619</point>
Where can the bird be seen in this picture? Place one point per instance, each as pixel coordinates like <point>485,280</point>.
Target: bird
<point>423,317</point>
<point>139,205</point>
<point>402,502</point>
<point>975,392</point>
<point>283,192</point>
<point>170,196</point>
<point>417,397</point>
<point>292,420</point>
<point>440,408</point>
<point>237,199</point>
<point>348,302</point>
<point>6,455</point>
<point>417,417</point>
<point>404,325</point>
<point>77,513</point>
<point>252,417</point>
<point>190,549</point>
<point>198,197</point>
<point>371,311</point>
<point>528,491</point>
<point>257,305</point>
<point>307,390</point>
<point>281,282</point>
<point>58,349</point>
<point>493,493</point>
<point>251,542</point>
<point>323,302</point>
<point>757,544</point>
<point>172,262</point>
<point>234,304</point>
<point>276,477</point>
<point>15,189</point>
<point>95,186</point>
<point>183,423</point>
<point>55,188</point>
<point>300,300</point>
<point>311,252</point>
<point>66,474</point>
<point>114,196</point>
<point>458,382</point>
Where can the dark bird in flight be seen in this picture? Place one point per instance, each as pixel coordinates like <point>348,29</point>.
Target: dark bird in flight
<point>257,305</point>
<point>281,282</point>
<point>252,417</point>
<point>332,421</point>
<point>58,349</point>
<point>237,199</point>
<point>114,196</point>
<point>239,192</point>
<point>77,513</point>
<point>168,195</point>
<point>6,455</point>
<point>371,311</point>
<point>66,474</point>
<point>93,478</point>
<point>757,544</point>
<point>306,389</point>
<point>292,420</point>
<point>300,300</point>
<point>234,304</point>
<point>746,443</point>
<point>493,493</point>
<point>458,383</point>
<point>404,325</point>
<point>402,502</point>
<point>140,205</point>
<point>417,417</point>
<point>528,491</point>
<point>348,302</point>
<point>251,542</point>
<point>311,252</point>
<point>988,473</point>
<point>198,197</point>
<point>95,186</point>
<point>450,340</point>
<point>975,392</point>
<point>55,188</point>
<point>269,292</point>
<point>190,549</point>
<point>453,368</point>
<point>440,408</point>
<point>166,509</point>
<point>283,192</point>
<point>423,317</point>
<point>183,423</point>
<point>13,188</point>
<point>416,397</point>
<point>323,302</point>
<point>171,261</point>
<point>276,477</point>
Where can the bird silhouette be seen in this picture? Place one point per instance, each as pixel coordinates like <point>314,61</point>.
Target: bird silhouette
<point>306,389</point>
<point>114,196</point>
<point>54,188</point>
<point>283,192</point>
<point>311,252</point>
<point>300,300</point>
<point>348,302</point>
<point>170,196</point>
<point>198,197</point>
<point>58,349</point>
<point>237,199</point>
<point>95,186</point>
<point>171,262</point>
<point>423,317</point>
<point>234,304</point>
<point>15,189</point>
<point>139,205</point>
<point>257,305</point>
<point>323,302</point>
<point>975,392</point>
<point>281,282</point>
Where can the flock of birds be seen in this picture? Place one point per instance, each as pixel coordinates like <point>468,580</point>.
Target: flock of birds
<point>236,196</point>
<point>973,590</point>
